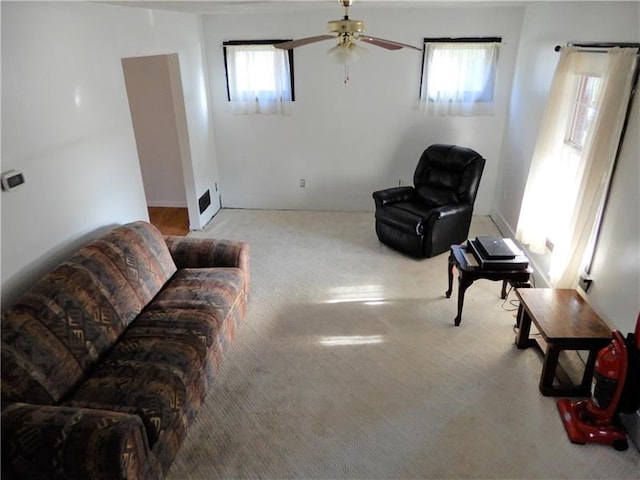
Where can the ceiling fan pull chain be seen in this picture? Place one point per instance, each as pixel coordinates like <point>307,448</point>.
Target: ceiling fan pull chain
<point>346,73</point>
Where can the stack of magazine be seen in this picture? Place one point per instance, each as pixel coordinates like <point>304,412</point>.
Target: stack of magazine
<point>494,253</point>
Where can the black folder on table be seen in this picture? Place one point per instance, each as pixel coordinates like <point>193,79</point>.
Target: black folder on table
<point>494,248</point>
<point>515,261</point>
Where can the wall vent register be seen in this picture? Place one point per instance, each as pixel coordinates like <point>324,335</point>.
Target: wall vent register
<point>204,201</point>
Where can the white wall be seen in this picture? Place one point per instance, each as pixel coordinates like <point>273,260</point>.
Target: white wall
<point>616,273</point>
<point>66,125</point>
<point>616,268</point>
<point>349,140</point>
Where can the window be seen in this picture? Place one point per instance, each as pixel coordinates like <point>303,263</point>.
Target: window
<point>574,158</point>
<point>259,76</point>
<point>459,75</point>
<point>584,110</point>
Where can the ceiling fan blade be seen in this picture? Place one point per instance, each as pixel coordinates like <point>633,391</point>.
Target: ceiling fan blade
<point>302,41</point>
<point>388,44</point>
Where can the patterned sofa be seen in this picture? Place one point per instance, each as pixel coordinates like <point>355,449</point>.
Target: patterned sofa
<point>106,360</point>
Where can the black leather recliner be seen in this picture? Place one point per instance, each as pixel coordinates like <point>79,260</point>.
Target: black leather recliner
<point>425,220</point>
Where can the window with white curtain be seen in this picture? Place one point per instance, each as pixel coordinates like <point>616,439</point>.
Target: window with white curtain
<point>582,110</point>
<point>259,77</point>
<point>574,158</point>
<point>459,76</point>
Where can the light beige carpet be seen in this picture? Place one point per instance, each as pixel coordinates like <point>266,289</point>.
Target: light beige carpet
<point>348,366</point>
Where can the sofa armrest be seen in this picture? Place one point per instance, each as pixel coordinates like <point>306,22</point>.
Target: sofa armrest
<point>47,441</point>
<point>393,195</point>
<point>189,252</point>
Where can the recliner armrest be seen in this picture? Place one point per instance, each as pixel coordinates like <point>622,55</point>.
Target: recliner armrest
<point>47,441</point>
<point>448,210</point>
<point>393,195</point>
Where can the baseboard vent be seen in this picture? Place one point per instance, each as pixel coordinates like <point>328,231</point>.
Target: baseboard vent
<point>204,201</point>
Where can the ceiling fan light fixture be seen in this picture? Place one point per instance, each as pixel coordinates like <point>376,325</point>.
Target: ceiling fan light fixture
<point>349,33</point>
<point>347,53</point>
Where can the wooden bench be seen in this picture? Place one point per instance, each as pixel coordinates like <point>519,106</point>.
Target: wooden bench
<point>565,322</point>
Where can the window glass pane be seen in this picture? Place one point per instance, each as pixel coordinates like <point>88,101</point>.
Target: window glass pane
<point>584,110</point>
<point>255,71</point>
<point>458,72</point>
<point>565,182</point>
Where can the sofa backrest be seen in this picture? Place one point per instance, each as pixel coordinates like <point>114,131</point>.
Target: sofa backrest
<point>448,174</point>
<point>60,328</point>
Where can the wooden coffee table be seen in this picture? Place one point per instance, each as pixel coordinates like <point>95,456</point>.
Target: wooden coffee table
<point>468,273</point>
<point>566,322</point>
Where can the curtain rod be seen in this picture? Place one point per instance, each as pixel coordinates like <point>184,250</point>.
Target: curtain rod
<point>599,45</point>
<point>462,39</point>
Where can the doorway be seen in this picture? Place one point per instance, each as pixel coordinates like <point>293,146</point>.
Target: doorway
<point>156,103</point>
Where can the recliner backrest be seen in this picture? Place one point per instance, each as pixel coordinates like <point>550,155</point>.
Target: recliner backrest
<point>448,174</point>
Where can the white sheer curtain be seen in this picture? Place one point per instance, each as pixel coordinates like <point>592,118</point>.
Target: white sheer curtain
<point>573,192</point>
<point>259,79</point>
<point>458,78</point>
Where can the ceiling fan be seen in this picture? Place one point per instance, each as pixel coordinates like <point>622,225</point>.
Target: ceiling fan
<point>348,32</point>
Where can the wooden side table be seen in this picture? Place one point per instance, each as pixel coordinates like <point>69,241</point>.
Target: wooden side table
<point>467,274</point>
<point>566,322</point>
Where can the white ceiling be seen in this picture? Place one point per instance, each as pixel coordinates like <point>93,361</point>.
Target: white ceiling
<point>272,6</point>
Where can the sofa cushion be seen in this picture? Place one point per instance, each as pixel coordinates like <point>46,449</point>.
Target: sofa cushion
<point>140,255</point>
<point>214,290</point>
<point>162,365</point>
<point>220,293</point>
<point>59,330</point>
<point>157,379</point>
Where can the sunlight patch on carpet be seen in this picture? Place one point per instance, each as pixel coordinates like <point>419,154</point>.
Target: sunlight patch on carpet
<point>351,340</point>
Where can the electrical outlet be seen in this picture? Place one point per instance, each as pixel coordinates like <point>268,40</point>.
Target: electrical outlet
<point>401,183</point>
<point>303,183</point>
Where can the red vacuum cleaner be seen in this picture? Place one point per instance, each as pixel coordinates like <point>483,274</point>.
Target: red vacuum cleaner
<point>616,390</point>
